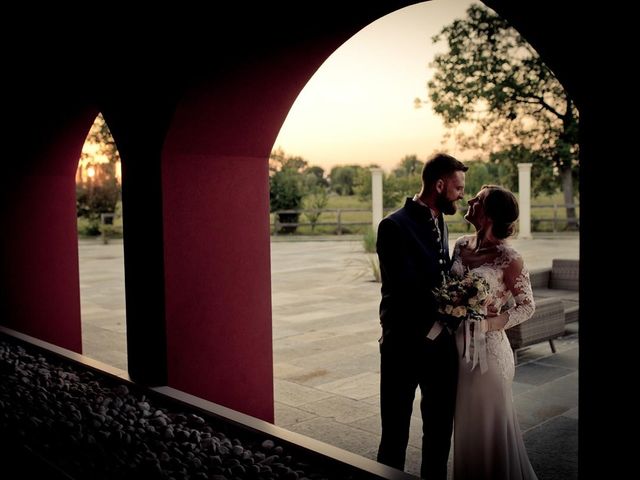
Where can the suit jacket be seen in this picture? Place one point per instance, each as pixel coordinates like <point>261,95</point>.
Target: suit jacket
<point>412,261</point>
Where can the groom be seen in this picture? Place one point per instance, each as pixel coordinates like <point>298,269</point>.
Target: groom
<point>413,249</point>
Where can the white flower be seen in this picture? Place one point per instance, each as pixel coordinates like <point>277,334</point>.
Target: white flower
<point>448,309</point>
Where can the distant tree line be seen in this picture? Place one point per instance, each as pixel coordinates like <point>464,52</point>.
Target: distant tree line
<point>296,185</point>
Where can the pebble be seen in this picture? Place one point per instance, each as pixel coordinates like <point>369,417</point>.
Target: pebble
<point>89,424</point>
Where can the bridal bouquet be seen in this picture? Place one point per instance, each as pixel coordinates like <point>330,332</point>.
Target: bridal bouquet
<point>461,298</point>
<point>464,298</point>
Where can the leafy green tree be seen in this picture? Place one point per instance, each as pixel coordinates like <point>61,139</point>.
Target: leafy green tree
<point>96,196</point>
<point>406,179</point>
<point>285,193</point>
<point>92,200</point>
<point>343,178</point>
<point>400,188</point>
<point>543,179</point>
<point>286,187</point>
<point>390,196</point>
<point>395,186</point>
<point>476,176</point>
<point>409,166</point>
<point>279,160</point>
<point>480,173</point>
<point>313,178</point>
<point>492,78</point>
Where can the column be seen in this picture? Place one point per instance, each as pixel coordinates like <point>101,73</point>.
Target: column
<point>524,187</point>
<point>376,197</point>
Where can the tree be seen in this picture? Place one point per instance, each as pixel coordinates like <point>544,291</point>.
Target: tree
<point>479,174</point>
<point>409,165</point>
<point>492,78</point>
<point>543,178</point>
<point>400,188</point>
<point>343,178</point>
<point>286,187</point>
<point>100,192</point>
<point>315,202</point>
<point>362,188</point>
<point>398,185</point>
<point>279,160</point>
<point>94,199</point>
<point>314,178</point>
<point>100,135</point>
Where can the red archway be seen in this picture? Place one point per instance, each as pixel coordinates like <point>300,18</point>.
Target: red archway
<point>205,106</point>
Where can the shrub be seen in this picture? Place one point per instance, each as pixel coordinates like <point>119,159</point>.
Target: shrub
<point>374,264</point>
<point>369,240</point>
<point>316,202</point>
<point>285,193</point>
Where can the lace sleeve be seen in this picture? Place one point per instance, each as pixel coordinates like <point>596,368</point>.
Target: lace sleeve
<point>516,279</point>
<point>456,263</point>
<point>456,248</point>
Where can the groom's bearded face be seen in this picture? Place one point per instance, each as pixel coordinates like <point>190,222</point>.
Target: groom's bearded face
<point>445,204</point>
<point>452,191</point>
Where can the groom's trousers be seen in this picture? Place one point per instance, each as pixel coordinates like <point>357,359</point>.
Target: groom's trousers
<point>406,363</point>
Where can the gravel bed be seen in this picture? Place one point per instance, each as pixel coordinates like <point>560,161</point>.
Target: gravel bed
<point>89,424</point>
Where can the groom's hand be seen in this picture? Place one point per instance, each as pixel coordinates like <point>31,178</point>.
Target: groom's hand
<point>450,321</point>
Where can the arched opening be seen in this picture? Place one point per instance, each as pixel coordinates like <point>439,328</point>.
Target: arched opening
<point>100,247</point>
<point>326,362</point>
<point>565,43</point>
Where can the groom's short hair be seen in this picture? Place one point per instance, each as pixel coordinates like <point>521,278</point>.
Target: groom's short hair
<point>440,165</point>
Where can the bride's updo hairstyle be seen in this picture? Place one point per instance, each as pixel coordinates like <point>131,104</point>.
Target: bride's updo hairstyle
<point>501,206</point>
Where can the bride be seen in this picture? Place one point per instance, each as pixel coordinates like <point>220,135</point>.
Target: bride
<point>488,443</point>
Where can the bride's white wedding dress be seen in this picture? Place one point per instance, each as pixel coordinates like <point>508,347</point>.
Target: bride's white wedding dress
<point>488,443</point>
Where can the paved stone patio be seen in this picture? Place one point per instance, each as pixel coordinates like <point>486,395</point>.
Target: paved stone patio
<point>326,360</point>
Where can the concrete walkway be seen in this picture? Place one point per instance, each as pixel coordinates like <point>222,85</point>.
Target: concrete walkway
<point>326,360</point>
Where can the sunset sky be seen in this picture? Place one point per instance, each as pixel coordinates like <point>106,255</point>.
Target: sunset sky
<point>358,107</point>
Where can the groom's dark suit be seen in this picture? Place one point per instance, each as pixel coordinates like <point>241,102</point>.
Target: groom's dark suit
<point>413,257</point>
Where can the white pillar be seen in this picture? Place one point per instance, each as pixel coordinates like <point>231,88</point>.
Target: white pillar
<point>524,188</point>
<point>376,197</point>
